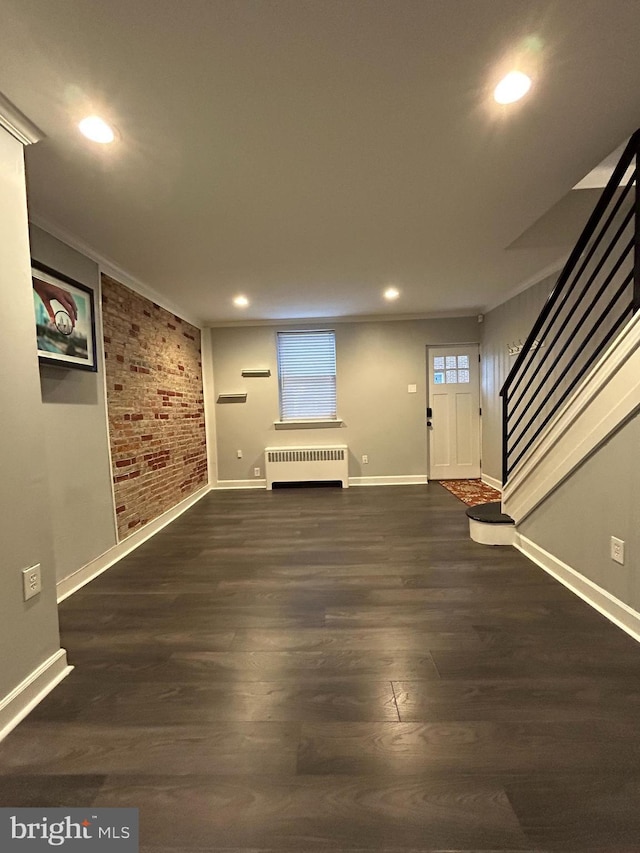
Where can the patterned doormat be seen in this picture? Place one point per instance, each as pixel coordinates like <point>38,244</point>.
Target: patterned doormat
<point>471,492</point>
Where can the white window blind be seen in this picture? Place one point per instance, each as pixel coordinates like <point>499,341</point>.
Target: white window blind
<point>307,375</point>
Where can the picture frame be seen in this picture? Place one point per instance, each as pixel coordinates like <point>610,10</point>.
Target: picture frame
<point>64,314</point>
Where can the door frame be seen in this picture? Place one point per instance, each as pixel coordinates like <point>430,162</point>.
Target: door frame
<point>427,390</point>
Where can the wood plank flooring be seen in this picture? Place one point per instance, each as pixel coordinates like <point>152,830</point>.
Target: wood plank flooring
<point>338,670</point>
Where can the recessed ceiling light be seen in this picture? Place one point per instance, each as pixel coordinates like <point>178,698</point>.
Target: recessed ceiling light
<point>240,301</point>
<point>97,130</point>
<point>391,293</point>
<point>512,87</point>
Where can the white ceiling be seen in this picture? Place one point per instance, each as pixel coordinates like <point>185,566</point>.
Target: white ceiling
<point>310,152</point>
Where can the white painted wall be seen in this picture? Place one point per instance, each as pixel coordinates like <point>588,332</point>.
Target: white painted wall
<point>376,362</point>
<point>73,414</point>
<point>28,630</point>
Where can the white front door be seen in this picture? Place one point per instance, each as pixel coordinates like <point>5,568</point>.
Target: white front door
<point>453,416</point>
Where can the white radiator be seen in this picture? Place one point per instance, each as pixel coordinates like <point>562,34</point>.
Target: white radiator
<point>301,464</point>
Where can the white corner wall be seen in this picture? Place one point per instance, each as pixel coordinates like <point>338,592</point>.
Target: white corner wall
<point>31,660</point>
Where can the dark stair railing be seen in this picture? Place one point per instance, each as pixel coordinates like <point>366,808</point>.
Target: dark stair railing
<point>597,292</point>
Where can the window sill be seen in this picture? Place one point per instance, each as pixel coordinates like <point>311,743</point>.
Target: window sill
<point>321,423</point>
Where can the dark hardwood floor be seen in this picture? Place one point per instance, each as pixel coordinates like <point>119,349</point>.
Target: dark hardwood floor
<point>338,670</point>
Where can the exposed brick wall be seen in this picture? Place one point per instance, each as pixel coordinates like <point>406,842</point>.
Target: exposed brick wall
<point>155,404</point>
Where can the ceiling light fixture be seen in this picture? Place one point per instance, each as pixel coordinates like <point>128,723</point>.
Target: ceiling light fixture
<point>240,301</point>
<point>512,87</point>
<point>391,293</point>
<point>97,130</point>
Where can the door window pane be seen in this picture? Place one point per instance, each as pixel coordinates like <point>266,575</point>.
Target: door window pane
<point>456,372</point>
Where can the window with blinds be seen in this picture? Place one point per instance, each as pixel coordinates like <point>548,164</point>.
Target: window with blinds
<point>307,375</point>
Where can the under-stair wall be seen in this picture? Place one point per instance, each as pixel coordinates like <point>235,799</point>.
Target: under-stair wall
<point>571,413</point>
<point>601,499</point>
<point>569,532</point>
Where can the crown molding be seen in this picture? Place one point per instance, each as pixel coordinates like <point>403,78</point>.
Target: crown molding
<point>552,268</point>
<point>347,318</point>
<point>17,124</point>
<point>110,268</point>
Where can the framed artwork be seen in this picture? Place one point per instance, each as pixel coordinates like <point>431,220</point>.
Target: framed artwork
<point>65,319</point>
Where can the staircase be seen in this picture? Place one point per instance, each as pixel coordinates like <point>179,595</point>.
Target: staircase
<point>577,378</point>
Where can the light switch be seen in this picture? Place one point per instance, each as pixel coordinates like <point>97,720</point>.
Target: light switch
<point>412,389</point>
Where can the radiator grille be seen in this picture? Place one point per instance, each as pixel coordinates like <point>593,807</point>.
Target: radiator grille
<point>307,464</point>
<point>312,454</point>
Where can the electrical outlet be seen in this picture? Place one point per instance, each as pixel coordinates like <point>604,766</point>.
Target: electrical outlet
<point>365,459</point>
<point>31,581</point>
<point>239,454</point>
<point>617,550</point>
<point>256,472</point>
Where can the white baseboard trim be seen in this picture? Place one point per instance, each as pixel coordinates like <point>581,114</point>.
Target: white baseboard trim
<point>611,607</point>
<point>30,692</point>
<point>402,480</point>
<point>406,480</point>
<point>67,586</point>
<point>491,481</point>
<point>241,484</point>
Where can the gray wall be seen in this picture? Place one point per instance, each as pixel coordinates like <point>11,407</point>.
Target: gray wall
<point>601,499</point>
<point>376,361</point>
<point>507,324</point>
<point>28,630</point>
<point>74,417</point>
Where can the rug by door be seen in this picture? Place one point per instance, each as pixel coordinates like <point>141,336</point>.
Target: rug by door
<point>471,492</point>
